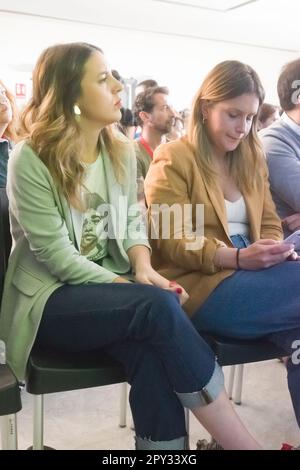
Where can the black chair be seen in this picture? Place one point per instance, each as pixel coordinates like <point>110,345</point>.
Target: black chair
<point>235,352</point>
<point>48,372</point>
<point>10,401</point>
<point>10,404</point>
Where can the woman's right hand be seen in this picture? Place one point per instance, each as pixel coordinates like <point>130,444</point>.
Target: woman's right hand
<point>264,254</point>
<point>179,290</point>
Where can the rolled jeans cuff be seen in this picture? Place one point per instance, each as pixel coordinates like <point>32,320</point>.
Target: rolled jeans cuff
<point>208,394</point>
<point>175,444</point>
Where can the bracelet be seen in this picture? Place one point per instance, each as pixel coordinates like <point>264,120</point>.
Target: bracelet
<point>238,267</point>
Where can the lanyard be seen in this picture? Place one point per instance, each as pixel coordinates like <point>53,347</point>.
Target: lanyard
<point>146,147</point>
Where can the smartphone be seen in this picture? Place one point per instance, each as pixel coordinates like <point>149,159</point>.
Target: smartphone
<point>295,239</point>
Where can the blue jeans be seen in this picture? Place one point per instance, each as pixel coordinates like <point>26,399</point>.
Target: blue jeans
<point>253,304</point>
<point>167,363</point>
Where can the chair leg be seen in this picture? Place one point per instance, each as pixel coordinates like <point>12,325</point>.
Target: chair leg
<point>9,437</point>
<point>132,426</point>
<point>231,381</point>
<point>239,385</point>
<point>187,427</point>
<point>123,405</point>
<point>38,422</point>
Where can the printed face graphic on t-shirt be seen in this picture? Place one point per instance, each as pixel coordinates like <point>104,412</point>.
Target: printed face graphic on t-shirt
<point>94,229</point>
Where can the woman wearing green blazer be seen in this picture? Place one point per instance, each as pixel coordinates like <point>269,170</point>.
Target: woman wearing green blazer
<point>78,237</point>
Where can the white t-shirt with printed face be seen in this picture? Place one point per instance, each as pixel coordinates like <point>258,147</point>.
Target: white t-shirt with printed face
<point>95,222</point>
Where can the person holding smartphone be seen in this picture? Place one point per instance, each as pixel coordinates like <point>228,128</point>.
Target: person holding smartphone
<point>236,271</point>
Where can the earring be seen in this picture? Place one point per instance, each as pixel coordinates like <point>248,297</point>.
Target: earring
<point>203,119</point>
<point>76,110</point>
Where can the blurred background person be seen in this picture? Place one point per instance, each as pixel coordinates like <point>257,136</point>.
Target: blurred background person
<point>127,124</point>
<point>116,75</point>
<point>177,129</point>
<point>185,116</point>
<point>281,142</point>
<point>268,114</point>
<point>144,85</point>
<point>8,133</point>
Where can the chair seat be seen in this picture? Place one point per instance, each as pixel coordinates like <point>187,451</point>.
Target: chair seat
<point>50,372</point>
<point>231,351</point>
<point>10,401</point>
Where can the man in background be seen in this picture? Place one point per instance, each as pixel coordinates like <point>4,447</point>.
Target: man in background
<point>281,141</point>
<point>155,116</point>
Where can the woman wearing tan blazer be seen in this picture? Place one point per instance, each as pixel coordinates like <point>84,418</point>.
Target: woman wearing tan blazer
<point>224,244</point>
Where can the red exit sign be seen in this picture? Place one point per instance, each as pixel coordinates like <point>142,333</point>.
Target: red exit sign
<point>20,90</point>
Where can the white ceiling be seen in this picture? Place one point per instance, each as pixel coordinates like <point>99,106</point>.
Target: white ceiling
<point>270,24</point>
<point>175,41</point>
<point>215,5</point>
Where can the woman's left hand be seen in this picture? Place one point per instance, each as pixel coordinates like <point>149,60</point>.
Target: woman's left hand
<point>150,276</point>
<point>292,222</point>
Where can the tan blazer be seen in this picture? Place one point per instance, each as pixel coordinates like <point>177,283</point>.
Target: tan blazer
<point>174,178</point>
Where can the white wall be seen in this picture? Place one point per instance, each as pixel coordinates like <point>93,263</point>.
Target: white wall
<point>177,62</point>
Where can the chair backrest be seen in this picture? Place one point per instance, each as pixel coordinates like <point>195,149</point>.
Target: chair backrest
<point>10,400</point>
<point>5,237</point>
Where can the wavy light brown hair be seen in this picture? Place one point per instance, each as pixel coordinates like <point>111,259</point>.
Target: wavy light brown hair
<point>50,125</point>
<point>226,81</point>
<point>11,131</point>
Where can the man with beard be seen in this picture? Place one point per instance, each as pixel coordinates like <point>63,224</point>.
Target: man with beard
<point>155,116</point>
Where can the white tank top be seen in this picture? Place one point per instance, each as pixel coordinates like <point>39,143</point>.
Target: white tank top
<point>237,217</point>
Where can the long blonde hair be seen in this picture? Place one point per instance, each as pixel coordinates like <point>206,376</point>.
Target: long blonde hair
<point>11,132</point>
<point>226,81</point>
<point>49,123</point>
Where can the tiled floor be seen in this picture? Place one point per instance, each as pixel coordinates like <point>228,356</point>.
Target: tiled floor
<point>88,419</point>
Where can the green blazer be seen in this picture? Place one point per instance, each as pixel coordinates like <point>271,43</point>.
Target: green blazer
<point>46,239</point>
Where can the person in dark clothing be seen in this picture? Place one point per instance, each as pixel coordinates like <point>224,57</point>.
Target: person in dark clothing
<point>8,113</point>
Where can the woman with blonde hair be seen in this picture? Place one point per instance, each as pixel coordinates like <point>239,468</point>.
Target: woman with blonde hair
<point>72,180</point>
<point>231,261</point>
<point>8,133</point>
